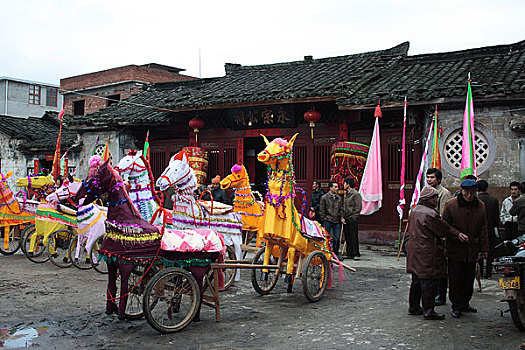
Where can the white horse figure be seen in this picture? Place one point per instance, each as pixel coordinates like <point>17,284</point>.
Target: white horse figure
<point>190,214</point>
<point>133,165</point>
<point>91,219</point>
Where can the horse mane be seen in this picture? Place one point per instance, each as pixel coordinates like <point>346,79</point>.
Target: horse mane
<point>119,179</point>
<point>152,180</point>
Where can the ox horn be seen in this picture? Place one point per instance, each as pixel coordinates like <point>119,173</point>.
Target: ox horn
<point>265,139</point>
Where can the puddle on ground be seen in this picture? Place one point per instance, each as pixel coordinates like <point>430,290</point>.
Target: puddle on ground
<point>19,337</point>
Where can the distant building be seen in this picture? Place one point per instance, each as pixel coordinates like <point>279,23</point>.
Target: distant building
<point>88,93</point>
<point>25,98</point>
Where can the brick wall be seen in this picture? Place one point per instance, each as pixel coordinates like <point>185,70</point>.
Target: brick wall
<point>94,103</point>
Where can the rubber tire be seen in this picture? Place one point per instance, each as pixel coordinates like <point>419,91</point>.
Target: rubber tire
<point>72,250</point>
<point>57,261</point>
<point>102,266</point>
<point>306,276</point>
<point>258,259</point>
<point>170,273</point>
<point>23,234</point>
<point>517,312</point>
<point>41,256</point>
<point>14,244</point>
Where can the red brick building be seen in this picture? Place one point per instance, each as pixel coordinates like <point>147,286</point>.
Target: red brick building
<point>88,93</point>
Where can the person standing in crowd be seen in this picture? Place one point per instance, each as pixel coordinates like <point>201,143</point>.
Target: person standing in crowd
<point>352,204</point>
<point>317,193</point>
<point>434,177</point>
<point>466,216</point>
<point>510,222</point>
<point>518,209</point>
<point>219,195</point>
<point>492,212</point>
<point>330,211</point>
<point>425,254</point>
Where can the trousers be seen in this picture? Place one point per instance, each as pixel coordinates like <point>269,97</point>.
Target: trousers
<point>422,291</point>
<point>461,283</point>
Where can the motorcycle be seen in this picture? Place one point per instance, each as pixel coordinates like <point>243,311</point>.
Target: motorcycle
<point>513,280</point>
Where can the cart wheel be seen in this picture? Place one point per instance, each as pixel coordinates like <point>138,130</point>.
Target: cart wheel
<point>23,235</point>
<point>83,262</point>
<point>263,287</point>
<point>171,300</point>
<point>100,266</point>
<point>228,273</point>
<point>13,239</point>
<point>517,312</point>
<point>58,247</point>
<point>134,309</point>
<point>38,256</point>
<point>315,276</point>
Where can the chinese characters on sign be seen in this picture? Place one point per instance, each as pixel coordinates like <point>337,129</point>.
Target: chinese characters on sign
<point>261,117</point>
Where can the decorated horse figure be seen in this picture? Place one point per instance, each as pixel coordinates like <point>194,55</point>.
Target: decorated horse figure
<point>38,185</point>
<point>190,214</point>
<point>140,180</point>
<point>13,212</point>
<point>244,203</point>
<point>129,239</point>
<point>91,218</point>
<point>282,222</point>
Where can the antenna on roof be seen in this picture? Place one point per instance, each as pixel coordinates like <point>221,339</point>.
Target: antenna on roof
<point>200,73</point>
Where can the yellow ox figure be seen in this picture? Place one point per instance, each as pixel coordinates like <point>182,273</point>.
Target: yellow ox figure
<point>282,222</point>
<point>37,181</point>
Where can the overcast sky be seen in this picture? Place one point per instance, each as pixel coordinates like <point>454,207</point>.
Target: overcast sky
<point>49,40</point>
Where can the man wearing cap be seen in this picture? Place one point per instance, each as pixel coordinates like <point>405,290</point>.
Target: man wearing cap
<point>219,195</point>
<point>466,215</point>
<point>425,254</point>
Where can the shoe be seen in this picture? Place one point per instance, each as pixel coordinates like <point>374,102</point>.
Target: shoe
<point>455,313</point>
<point>65,260</point>
<point>357,258</point>
<point>415,312</point>
<point>54,256</point>
<point>469,309</point>
<point>432,315</point>
<point>288,278</point>
<point>439,302</point>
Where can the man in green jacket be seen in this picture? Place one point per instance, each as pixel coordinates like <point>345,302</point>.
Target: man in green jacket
<point>330,210</point>
<point>352,204</point>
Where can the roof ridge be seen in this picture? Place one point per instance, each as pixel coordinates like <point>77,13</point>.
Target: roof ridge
<point>401,49</point>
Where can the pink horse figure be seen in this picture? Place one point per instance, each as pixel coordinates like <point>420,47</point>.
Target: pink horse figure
<point>91,218</point>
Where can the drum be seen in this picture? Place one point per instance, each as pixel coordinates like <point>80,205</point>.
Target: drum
<point>198,161</point>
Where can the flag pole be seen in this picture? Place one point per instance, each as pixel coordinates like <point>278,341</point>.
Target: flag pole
<point>402,201</point>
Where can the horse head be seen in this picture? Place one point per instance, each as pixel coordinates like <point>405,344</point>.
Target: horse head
<point>276,150</point>
<point>99,183</point>
<point>132,164</point>
<point>178,174</point>
<point>68,189</point>
<point>237,179</point>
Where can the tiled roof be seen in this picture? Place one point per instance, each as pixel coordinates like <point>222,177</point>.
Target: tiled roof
<point>495,71</point>
<point>38,134</point>
<point>360,79</point>
<point>328,78</point>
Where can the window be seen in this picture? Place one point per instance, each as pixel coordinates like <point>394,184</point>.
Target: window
<point>114,99</point>
<point>34,94</point>
<point>78,107</point>
<point>452,148</point>
<point>99,151</point>
<point>51,97</point>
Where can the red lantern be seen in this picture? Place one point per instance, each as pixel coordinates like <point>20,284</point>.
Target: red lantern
<point>312,117</point>
<point>196,124</point>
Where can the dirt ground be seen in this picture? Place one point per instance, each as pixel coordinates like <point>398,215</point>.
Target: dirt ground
<point>52,308</point>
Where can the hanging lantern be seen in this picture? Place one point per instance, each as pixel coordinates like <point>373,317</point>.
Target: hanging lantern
<point>196,124</point>
<point>312,117</point>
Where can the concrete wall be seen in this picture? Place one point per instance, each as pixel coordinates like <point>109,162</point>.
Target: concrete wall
<point>18,100</point>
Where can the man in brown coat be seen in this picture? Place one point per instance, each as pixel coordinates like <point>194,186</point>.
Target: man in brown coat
<point>425,254</point>
<point>465,214</point>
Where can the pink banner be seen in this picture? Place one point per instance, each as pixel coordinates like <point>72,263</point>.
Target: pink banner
<point>402,201</point>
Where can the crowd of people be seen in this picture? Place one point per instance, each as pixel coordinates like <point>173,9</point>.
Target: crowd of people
<point>450,235</point>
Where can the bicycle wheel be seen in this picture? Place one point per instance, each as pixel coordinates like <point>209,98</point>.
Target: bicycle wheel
<point>82,262</point>
<point>23,235</point>
<point>99,265</point>
<point>171,300</point>
<point>37,254</point>
<point>263,287</point>
<point>58,248</point>
<point>10,240</point>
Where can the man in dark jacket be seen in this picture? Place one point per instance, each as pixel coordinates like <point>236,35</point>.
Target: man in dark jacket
<point>465,214</point>
<point>219,195</point>
<point>492,211</point>
<point>425,254</point>
<point>317,193</point>
<point>352,204</point>
<point>330,211</point>
<point>518,209</point>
